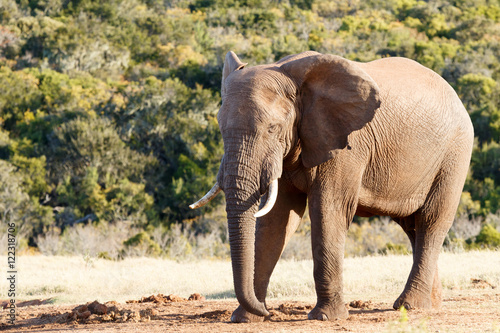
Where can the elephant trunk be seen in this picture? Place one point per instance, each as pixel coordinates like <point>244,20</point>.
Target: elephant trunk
<point>241,205</point>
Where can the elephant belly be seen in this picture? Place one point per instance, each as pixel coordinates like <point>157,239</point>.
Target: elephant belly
<point>395,196</point>
<point>384,207</point>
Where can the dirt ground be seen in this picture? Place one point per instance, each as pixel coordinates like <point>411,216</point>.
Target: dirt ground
<point>461,311</point>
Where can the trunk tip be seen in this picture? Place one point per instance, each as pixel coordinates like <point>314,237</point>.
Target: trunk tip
<point>253,306</point>
<point>259,310</point>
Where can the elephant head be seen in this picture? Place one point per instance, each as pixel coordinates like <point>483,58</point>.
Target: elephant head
<point>310,102</point>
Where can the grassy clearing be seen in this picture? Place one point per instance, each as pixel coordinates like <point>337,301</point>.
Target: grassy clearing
<point>81,279</point>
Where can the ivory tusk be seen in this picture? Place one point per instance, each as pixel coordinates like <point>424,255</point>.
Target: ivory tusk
<point>271,199</point>
<point>209,196</point>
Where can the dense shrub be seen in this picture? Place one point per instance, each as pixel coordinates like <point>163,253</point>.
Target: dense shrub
<point>489,236</point>
<point>108,108</point>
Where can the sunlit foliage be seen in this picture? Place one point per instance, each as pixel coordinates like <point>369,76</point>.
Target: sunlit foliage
<point>108,108</point>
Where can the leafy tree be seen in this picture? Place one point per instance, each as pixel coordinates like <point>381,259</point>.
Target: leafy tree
<point>20,95</point>
<point>108,108</point>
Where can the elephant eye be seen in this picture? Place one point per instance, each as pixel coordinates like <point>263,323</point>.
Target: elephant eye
<point>273,129</point>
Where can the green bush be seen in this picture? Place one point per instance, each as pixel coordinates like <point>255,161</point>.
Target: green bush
<point>20,95</point>
<point>489,236</point>
<point>391,248</point>
<point>108,108</point>
<point>142,244</point>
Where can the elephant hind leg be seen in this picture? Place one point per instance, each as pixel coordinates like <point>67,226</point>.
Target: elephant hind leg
<point>423,288</point>
<point>431,224</point>
<point>408,225</point>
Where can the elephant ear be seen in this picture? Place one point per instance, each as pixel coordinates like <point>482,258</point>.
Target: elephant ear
<point>336,97</point>
<point>231,63</point>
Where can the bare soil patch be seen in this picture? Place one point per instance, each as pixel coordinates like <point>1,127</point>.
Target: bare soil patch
<point>475,310</point>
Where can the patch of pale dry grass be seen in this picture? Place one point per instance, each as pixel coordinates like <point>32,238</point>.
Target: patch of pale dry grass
<point>81,279</point>
<point>382,278</point>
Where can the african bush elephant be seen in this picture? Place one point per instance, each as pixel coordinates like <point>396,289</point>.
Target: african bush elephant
<point>389,137</point>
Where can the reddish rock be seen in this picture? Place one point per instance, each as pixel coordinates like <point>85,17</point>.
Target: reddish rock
<point>358,304</point>
<point>97,308</point>
<point>81,308</point>
<point>175,298</point>
<point>83,315</point>
<point>196,297</point>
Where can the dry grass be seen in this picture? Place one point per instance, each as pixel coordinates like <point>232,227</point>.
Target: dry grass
<point>81,279</point>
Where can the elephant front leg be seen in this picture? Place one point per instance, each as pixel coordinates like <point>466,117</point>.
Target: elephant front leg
<point>328,231</point>
<point>273,231</point>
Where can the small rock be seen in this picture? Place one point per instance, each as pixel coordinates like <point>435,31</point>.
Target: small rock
<point>113,309</point>
<point>361,304</point>
<point>132,301</point>
<point>80,308</point>
<point>66,317</point>
<point>97,308</point>
<point>175,298</point>
<point>148,313</point>
<point>83,315</point>
<point>480,283</point>
<point>107,318</point>
<point>196,297</point>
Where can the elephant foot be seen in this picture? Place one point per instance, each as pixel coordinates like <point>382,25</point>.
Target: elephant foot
<point>240,315</point>
<point>413,301</point>
<point>328,311</point>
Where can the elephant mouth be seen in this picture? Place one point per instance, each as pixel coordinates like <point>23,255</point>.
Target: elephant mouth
<point>216,189</point>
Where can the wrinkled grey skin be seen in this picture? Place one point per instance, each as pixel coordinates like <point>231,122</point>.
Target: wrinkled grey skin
<point>388,137</point>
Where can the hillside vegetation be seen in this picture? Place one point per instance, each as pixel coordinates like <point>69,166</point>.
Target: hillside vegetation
<point>108,108</point>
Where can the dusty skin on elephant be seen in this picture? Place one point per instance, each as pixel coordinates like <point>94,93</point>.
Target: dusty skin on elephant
<point>388,137</point>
